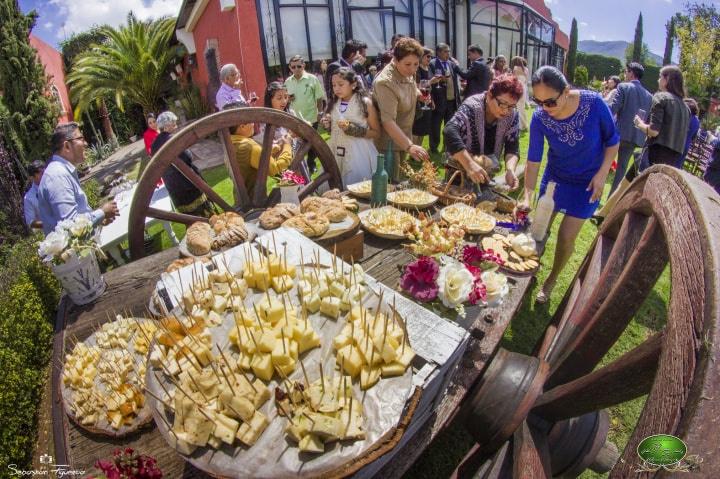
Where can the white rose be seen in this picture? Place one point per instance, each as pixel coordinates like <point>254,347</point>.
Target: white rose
<point>455,283</point>
<point>496,286</point>
<point>81,226</point>
<point>53,245</point>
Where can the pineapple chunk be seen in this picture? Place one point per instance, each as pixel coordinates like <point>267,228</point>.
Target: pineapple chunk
<point>311,443</point>
<point>392,369</point>
<point>406,356</point>
<point>330,306</point>
<point>369,376</point>
<point>267,341</point>
<point>350,359</point>
<point>282,283</point>
<point>312,304</point>
<point>261,365</point>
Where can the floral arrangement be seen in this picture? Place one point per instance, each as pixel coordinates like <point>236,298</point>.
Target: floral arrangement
<point>71,238</point>
<point>455,281</point>
<point>127,464</point>
<point>290,178</point>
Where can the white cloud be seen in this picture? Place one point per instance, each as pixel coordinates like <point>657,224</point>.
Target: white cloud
<point>583,24</point>
<point>80,15</point>
<point>48,25</point>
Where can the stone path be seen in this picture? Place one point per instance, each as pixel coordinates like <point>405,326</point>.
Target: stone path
<point>208,153</point>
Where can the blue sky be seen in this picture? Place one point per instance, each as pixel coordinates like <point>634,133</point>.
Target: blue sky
<point>615,19</point>
<point>597,19</point>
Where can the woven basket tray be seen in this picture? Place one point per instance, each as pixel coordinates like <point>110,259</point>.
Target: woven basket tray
<point>449,194</point>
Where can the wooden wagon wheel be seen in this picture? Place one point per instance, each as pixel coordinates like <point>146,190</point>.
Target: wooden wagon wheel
<point>221,123</point>
<point>542,415</point>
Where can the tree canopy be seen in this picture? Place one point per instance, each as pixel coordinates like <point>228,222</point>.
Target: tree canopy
<point>637,49</point>
<point>132,64</point>
<point>698,34</point>
<point>31,111</point>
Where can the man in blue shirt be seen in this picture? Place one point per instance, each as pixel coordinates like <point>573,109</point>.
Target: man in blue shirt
<point>631,96</point>
<point>60,196</point>
<point>30,200</point>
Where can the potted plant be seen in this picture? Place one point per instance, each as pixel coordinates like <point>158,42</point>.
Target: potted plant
<point>71,250</point>
<point>289,183</point>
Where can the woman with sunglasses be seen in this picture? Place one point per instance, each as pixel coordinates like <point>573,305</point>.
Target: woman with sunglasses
<point>486,125</point>
<point>583,141</point>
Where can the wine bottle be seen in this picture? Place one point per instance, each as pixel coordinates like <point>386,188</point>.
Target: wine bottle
<point>378,189</point>
<point>543,213</point>
<point>390,162</point>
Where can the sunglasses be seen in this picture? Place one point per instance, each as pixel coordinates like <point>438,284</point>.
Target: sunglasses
<point>550,102</point>
<point>295,67</point>
<point>81,138</point>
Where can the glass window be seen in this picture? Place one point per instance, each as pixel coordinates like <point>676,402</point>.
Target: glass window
<point>363,3</point>
<point>320,40</point>
<point>509,16</point>
<point>547,32</point>
<point>506,41</point>
<point>434,17</point>
<point>482,36</point>
<point>534,27</point>
<point>482,11</point>
<point>293,28</point>
<point>367,24</point>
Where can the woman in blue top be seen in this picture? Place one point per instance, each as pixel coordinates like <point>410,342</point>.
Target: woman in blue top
<point>583,142</point>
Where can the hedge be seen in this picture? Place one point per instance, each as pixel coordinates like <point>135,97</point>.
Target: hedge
<point>599,66</point>
<point>29,294</point>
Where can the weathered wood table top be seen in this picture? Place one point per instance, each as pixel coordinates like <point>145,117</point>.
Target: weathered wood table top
<point>128,290</point>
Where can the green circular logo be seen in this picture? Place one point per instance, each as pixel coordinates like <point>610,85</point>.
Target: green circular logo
<point>662,450</point>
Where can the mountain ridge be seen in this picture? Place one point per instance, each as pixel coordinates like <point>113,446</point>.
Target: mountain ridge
<point>612,48</point>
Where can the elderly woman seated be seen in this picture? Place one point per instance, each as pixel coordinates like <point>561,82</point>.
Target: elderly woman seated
<point>186,197</point>
<point>485,127</point>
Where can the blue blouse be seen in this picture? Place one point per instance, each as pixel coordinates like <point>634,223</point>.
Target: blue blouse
<point>576,144</point>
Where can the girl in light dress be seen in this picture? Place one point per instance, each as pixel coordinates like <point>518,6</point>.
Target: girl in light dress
<point>353,123</point>
<point>520,70</point>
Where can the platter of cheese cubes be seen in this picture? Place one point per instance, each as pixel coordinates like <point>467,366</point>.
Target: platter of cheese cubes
<point>256,321</point>
<point>387,222</point>
<point>103,377</point>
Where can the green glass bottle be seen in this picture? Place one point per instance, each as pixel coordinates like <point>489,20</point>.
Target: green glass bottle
<point>378,190</point>
<point>390,162</point>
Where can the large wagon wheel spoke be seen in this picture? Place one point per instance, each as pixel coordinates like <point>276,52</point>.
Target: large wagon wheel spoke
<point>174,216</point>
<point>241,194</point>
<point>666,215</point>
<point>221,123</point>
<point>200,183</point>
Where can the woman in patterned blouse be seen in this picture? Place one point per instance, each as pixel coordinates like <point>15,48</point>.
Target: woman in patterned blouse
<point>582,143</point>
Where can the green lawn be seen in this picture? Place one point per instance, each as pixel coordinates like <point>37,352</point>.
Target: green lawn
<point>522,334</point>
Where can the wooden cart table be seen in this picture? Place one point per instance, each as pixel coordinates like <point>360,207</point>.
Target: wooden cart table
<point>129,289</point>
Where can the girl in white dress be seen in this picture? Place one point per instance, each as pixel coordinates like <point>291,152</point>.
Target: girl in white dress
<point>520,70</point>
<point>353,123</point>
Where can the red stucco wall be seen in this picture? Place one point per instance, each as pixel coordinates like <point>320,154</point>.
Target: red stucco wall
<point>238,38</point>
<point>53,62</point>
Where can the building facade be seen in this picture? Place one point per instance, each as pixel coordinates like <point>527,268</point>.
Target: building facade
<point>260,36</point>
<point>52,60</point>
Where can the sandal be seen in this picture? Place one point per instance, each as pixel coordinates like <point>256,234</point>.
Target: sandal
<point>543,295</point>
<point>597,220</point>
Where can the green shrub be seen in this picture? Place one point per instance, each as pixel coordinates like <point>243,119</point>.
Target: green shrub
<point>193,103</point>
<point>650,77</point>
<point>28,298</point>
<point>92,191</point>
<point>581,76</point>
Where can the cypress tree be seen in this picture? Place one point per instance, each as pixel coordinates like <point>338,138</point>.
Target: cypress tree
<point>637,55</point>
<point>669,38</point>
<point>572,52</point>
<point>32,112</point>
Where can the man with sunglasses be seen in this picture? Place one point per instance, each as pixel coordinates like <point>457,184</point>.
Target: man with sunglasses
<point>307,97</point>
<point>60,196</point>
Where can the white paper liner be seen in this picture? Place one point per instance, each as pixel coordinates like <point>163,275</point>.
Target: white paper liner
<point>273,455</point>
<point>103,426</point>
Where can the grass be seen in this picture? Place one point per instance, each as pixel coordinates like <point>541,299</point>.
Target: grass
<point>525,329</point>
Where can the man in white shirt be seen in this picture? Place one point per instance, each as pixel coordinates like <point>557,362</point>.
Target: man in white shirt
<point>60,196</point>
<point>30,201</point>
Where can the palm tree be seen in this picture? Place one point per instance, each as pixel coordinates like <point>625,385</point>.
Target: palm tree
<point>132,64</point>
